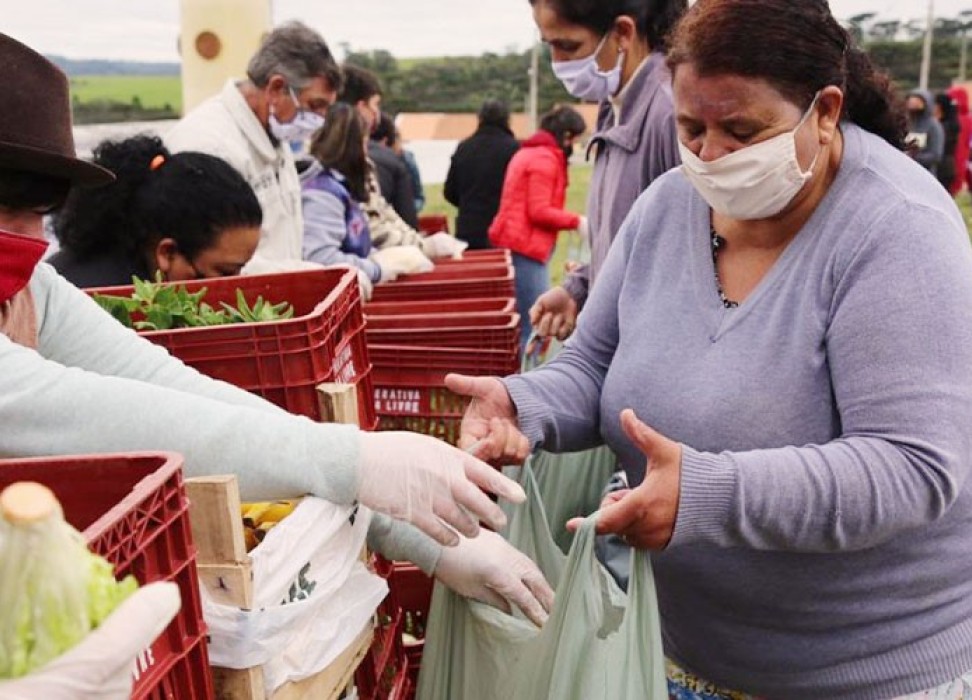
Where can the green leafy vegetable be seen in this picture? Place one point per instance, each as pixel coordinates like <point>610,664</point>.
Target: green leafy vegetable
<point>155,306</point>
<point>53,590</point>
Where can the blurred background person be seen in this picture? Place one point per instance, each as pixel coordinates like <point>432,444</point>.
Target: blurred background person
<point>531,211</point>
<point>335,187</point>
<point>475,178</point>
<point>394,179</point>
<point>185,215</point>
<point>947,117</point>
<point>926,140</point>
<point>960,98</point>
<point>398,145</point>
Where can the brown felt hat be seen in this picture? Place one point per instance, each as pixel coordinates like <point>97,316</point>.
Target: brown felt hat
<point>35,118</point>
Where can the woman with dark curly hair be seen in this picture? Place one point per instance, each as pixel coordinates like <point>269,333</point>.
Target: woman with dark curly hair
<point>185,215</point>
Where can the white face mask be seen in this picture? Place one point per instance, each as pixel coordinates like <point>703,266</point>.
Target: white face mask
<point>755,182</point>
<point>584,80</point>
<point>304,124</point>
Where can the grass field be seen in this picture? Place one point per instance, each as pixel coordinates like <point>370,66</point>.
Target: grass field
<point>152,91</point>
<point>580,178</point>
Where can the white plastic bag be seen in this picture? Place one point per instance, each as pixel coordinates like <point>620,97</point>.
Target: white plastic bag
<point>312,596</point>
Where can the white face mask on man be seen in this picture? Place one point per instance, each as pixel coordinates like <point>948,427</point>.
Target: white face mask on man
<point>584,80</point>
<point>304,124</point>
<point>755,182</point>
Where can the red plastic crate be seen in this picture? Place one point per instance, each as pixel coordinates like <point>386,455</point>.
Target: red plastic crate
<point>486,331</point>
<point>433,223</point>
<point>282,361</point>
<point>453,283</point>
<point>449,273</point>
<point>378,676</point>
<point>133,511</point>
<point>443,307</point>
<point>472,257</point>
<point>410,392</point>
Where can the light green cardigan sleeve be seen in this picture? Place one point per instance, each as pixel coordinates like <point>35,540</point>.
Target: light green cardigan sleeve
<point>95,386</point>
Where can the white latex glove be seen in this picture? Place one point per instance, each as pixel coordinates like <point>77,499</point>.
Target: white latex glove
<point>584,229</point>
<point>442,245</point>
<point>100,666</point>
<point>491,570</point>
<point>365,285</point>
<point>431,484</point>
<point>401,260</point>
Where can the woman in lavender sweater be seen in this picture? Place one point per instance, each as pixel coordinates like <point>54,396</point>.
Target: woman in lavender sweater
<point>778,349</point>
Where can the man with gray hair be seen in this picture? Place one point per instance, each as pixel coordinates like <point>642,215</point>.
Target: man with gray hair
<point>291,81</point>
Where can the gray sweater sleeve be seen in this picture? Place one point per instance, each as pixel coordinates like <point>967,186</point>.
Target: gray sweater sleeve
<point>324,232</point>
<point>902,384</point>
<point>95,386</point>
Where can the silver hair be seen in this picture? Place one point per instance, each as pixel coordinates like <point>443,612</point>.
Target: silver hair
<point>296,52</point>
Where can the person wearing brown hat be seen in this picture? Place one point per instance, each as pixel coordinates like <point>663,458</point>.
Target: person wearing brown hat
<point>73,380</point>
<point>291,81</point>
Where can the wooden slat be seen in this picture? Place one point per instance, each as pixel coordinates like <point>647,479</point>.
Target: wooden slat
<point>331,682</point>
<point>236,684</point>
<point>228,584</point>
<point>339,403</point>
<point>217,527</point>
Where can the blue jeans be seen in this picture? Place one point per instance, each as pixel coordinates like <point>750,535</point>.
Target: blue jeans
<point>532,280</point>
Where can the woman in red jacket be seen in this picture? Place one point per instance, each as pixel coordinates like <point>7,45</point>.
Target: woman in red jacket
<point>531,212</point>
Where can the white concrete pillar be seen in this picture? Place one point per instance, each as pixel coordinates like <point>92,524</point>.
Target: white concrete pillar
<point>216,40</point>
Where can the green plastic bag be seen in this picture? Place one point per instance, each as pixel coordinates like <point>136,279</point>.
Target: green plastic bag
<point>599,643</point>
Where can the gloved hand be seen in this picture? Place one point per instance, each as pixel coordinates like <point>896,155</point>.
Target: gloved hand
<point>491,570</point>
<point>431,484</point>
<point>490,421</point>
<point>100,666</point>
<point>401,260</point>
<point>554,314</point>
<point>584,229</point>
<point>365,285</point>
<point>442,245</point>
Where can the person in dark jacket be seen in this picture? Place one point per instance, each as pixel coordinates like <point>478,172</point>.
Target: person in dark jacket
<point>394,178</point>
<point>947,116</point>
<point>925,136</point>
<point>475,178</point>
<point>184,215</point>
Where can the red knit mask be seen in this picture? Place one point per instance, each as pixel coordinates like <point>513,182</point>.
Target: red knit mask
<point>19,256</point>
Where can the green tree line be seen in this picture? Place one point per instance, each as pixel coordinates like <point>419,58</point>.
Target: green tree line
<point>460,84</point>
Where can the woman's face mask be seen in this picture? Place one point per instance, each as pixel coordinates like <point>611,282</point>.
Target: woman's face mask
<point>755,182</point>
<point>303,126</point>
<point>584,80</point>
<point>19,256</point>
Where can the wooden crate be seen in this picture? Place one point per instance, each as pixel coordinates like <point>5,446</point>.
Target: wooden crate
<point>226,572</point>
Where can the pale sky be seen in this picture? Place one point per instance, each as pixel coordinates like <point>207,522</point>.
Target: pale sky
<point>147,29</point>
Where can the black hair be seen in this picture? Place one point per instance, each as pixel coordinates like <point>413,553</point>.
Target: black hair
<point>384,130</point>
<point>339,144</point>
<point>797,47</point>
<point>20,190</point>
<point>189,197</point>
<point>360,84</point>
<point>654,19</point>
<point>945,103</point>
<point>563,121</point>
<point>495,113</point>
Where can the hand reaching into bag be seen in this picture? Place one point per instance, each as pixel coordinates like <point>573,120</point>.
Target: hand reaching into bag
<point>491,570</point>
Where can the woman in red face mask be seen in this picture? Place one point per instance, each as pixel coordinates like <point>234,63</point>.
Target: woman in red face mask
<point>73,380</point>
